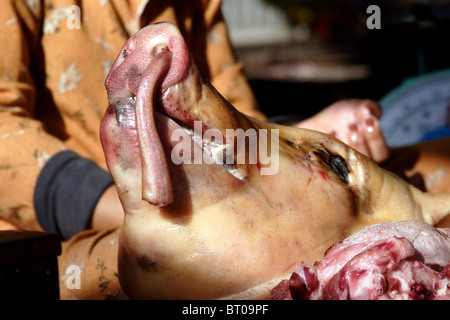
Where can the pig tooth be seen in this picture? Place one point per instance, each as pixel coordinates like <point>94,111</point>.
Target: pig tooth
<point>156,181</point>
<point>219,155</point>
<point>238,173</point>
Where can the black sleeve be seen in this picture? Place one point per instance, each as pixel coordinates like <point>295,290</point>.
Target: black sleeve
<point>66,192</point>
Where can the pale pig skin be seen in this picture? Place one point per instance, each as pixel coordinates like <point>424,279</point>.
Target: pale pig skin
<point>195,231</point>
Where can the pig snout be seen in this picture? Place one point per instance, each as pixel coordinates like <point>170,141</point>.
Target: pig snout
<point>136,55</point>
<point>150,61</point>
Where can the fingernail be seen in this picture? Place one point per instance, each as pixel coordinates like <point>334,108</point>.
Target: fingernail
<point>370,123</point>
<point>353,127</point>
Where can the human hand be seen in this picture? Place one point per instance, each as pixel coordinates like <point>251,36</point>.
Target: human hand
<point>108,213</point>
<point>355,122</point>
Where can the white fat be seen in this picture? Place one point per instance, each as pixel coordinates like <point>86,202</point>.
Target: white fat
<point>356,175</point>
<point>368,282</point>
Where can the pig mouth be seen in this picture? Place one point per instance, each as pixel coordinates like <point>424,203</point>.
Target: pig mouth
<point>134,103</point>
<point>145,101</point>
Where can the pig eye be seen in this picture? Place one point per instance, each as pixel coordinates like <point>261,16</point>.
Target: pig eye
<point>336,163</point>
<point>339,167</point>
<point>124,53</point>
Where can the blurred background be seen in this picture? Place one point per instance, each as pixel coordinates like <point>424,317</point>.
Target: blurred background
<point>302,55</point>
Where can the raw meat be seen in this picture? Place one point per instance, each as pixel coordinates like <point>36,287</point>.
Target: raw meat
<point>407,260</point>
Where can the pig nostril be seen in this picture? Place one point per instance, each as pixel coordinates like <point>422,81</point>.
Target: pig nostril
<point>158,49</point>
<point>128,49</point>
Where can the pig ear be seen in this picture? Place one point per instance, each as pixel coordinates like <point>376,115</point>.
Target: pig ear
<point>435,206</point>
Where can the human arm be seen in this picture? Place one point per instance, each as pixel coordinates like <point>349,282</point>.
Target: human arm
<point>33,132</point>
<point>25,144</point>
